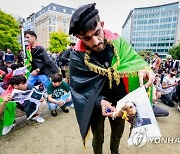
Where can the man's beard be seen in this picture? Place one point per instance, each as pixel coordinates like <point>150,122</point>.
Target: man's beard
<point>95,46</point>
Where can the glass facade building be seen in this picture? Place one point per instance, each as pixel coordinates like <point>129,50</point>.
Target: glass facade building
<point>153,28</point>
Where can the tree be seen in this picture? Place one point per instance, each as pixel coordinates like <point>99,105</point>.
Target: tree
<point>58,42</point>
<point>145,53</point>
<point>9,30</point>
<point>175,52</point>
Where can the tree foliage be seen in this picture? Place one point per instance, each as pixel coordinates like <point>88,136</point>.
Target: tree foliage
<point>58,42</point>
<point>175,52</point>
<point>147,55</point>
<point>9,30</point>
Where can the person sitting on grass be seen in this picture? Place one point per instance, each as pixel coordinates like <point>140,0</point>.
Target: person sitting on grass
<point>55,90</point>
<point>20,95</point>
<point>10,110</point>
<point>169,85</point>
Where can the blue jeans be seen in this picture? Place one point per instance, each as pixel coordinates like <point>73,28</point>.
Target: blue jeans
<point>167,100</point>
<point>33,79</point>
<point>53,106</point>
<point>159,112</point>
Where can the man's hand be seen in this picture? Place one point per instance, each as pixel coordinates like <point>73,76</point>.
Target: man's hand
<point>60,102</point>
<point>146,74</point>
<point>7,98</point>
<point>34,73</point>
<point>105,105</point>
<point>174,84</point>
<point>68,99</point>
<point>42,100</point>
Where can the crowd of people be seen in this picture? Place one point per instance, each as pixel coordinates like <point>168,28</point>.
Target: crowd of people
<point>33,85</point>
<point>96,74</point>
<point>167,81</point>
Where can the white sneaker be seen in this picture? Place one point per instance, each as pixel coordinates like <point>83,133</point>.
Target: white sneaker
<point>38,119</point>
<point>71,106</point>
<point>6,130</point>
<point>178,108</point>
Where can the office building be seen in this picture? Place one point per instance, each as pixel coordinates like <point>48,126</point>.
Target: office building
<point>155,28</point>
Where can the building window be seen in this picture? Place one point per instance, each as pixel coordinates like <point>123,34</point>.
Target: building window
<point>64,10</point>
<point>173,32</point>
<point>174,18</point>
<point>54,21</point>
<point>50,28</point>
<point>64,19</point>
<point>54,8</point>
<point>50,21</point>
<point>174,25</point>
<point>171,44</point>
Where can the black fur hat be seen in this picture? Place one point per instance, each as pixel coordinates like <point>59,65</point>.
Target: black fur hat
<point>81,16</point>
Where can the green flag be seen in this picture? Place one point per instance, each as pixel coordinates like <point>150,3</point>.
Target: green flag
<point>8,117</point>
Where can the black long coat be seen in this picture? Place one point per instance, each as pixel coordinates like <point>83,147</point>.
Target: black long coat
<point>40,59</point>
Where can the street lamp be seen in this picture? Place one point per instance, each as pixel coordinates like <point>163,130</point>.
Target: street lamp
<point>21,26</point>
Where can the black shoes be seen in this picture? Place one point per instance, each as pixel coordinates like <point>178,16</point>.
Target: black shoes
<point>65,109</point>
<point>54,113</point>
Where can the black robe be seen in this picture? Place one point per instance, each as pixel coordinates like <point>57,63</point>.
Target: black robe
<point>40,59</point>
<point>87,86</point>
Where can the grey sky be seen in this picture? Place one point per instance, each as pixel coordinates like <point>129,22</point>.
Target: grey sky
<point>112,12</point>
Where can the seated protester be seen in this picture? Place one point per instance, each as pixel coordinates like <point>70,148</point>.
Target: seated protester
<point>7,67</point>
<point>158,85</point>
<point>158,111</point>
<point>5,129</point>
<point>3,104</point>
<point>161,73</point>
<point>20,95</point>
<point>55,90</point>
<point>7,77</point>
<point>176,94</point>
<point>9,56</point>
<point>169,85</point>
<point>157,92</point>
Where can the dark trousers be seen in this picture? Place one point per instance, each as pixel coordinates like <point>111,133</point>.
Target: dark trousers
<point>167,99</point>
<point>159,112</point>
<point>97,126</point>
<point>178,92</point>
